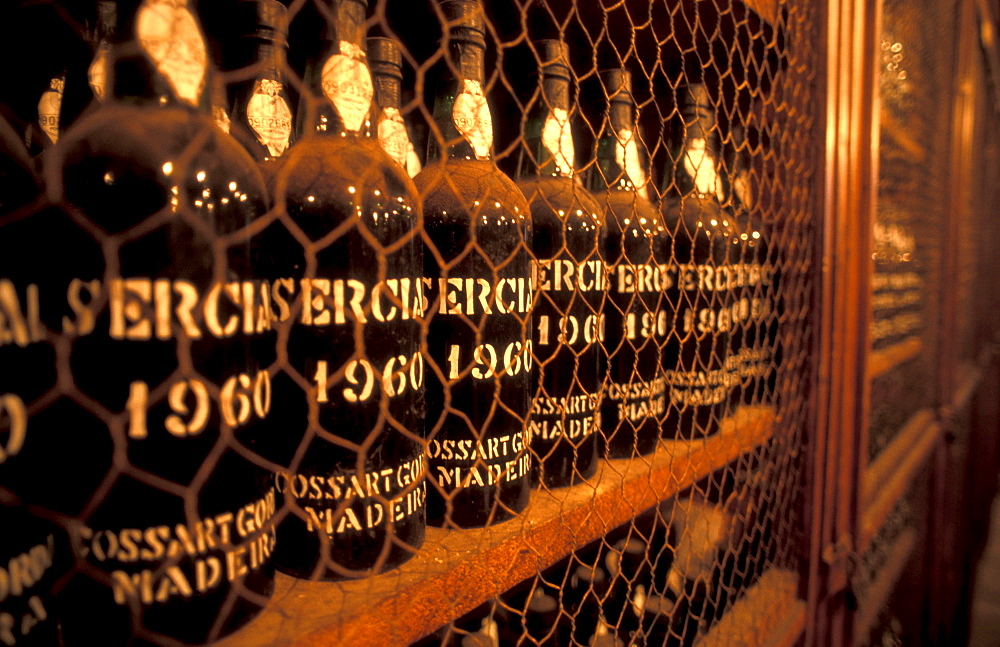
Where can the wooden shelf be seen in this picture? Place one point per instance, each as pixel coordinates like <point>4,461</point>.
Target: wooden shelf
<point>457,570</point>
<point>885,581</point>
<point>768,615</point>
<point>885,360</point>
<point>887,478</point>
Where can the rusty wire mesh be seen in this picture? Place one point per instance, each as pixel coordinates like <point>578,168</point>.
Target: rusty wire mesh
<point>911,220</point>
<point>206,359</point>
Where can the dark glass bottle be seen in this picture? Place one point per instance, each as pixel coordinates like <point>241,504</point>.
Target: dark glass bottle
<point>387,73</point>
<point>754,337</point>
<point>344,262</point>
<point>703,274</point>
<point>261,117</point>
<point>629,572</point>
<point>102,35</point>
<point>536,619</point>
<point>583,598</point>
<point>568,319</point>
<point>150,308</point>
<point>702,579</point>
<point>635,249</point>
<point>481,292</point>
<point>27,544</point>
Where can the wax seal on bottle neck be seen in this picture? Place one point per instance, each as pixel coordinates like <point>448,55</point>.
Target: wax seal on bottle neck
<point>553,56</point>
<point>384,57</point>
<point>263,19</point>
<point>464,21</point>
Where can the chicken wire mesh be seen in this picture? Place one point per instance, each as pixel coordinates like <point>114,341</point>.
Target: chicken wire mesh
<point>892,608</point>
<point>914,85</point>
<point>576,343</point>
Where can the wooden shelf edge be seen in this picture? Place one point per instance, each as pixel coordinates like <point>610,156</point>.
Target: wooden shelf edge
<point>885,360</point>
<point>457,570</point>
<point>883,584</point>
<point>768,615</point>
<point>888,477</point>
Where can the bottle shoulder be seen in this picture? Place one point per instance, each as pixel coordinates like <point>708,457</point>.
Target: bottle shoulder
<point>338,167</point>
<point>460,185</point>
<point>702,214</point>
<point>547,195</point>
<point>623,208</point>
<point>145,134</point>
<point>124,162</point>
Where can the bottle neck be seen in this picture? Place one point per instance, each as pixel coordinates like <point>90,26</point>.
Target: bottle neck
<point>387,91</point>
<point>697,159</point>
<point>549,134</point>
<point>160,54</point>
<point>103,36</point>
<point>260,103</point>
<point>340,78</point>
<point>462,112</point>
<point>621,160</point>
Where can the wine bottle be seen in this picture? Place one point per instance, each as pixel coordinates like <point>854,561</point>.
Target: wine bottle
<point>568,319</point>
<point>635,249</point>
<point>261,117</point>
<point>584,595</point>
<point>703,531</point>
<point>387,73</point>
<point>537,617</point>
<point>154,303</point>
<point>629,573</point>
<point>345,264</point>
<point>755,315</point>
<point>28,559</point>
<point>704,276</point>
<point>481,292</point>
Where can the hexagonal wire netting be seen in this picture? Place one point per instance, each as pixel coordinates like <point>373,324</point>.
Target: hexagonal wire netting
<point>575,344</point>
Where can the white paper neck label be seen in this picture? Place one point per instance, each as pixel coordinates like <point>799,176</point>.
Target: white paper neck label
<point>97,73</point>
<point>701,167</point>
<point>471,114</point>
<point>170,36</point>
<point>392,135</point>
<point>627,156</point>
<point>49,106</point>
<point>269,116</point>
<point>347,83</point>
<point>557,138</point>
